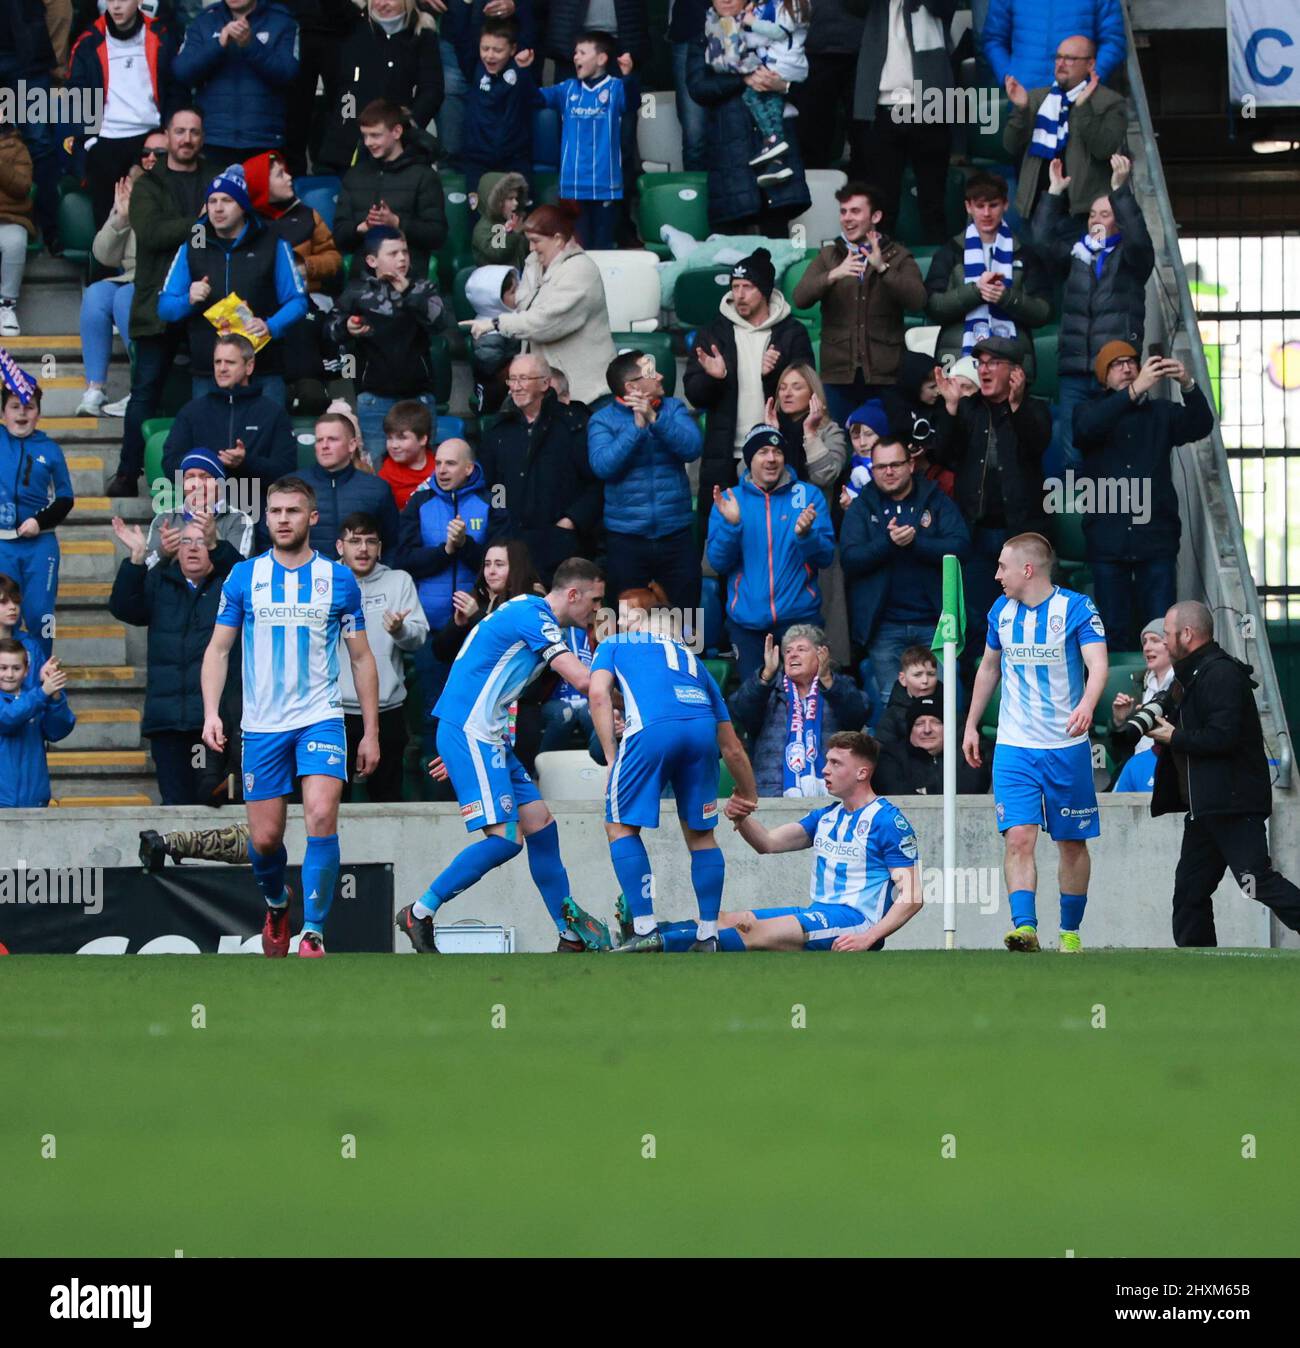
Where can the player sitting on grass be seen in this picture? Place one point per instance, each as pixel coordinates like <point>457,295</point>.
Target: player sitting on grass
<point>864,881</point>
<point>1048,646</point>
<point>502,655</point>
<point>293,607</point>
<point>675,725</point>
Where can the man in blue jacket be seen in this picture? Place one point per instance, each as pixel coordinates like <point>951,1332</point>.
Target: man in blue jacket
<point>639,444</point>
<point>892,545</point>
<point>342,489</point>
<point>240,56</point>
<point>28,717</point>
<point>767,540</point>
<point>1020,37</point>
<point>35,497</point>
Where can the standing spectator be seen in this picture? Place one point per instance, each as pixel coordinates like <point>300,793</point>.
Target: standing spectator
<point>11,614</point>
<point>227,530</point>
<point>459,30</point>
<point>125,59</point>
<point>592,107</point>
<point>767,541</point>
<point>390,51</point>
<point>35,497</point>
<point>29,717</point>
<point>736,365</point>
<point>905,44</point>
<point>892,545</point>
<point>177,601</point>
<point>234,254</point>
<point>1020,37</point>
<point>566,714</point>
<point>825,98</point>
<point>393,184</point>
<point>1075,120</point>
<point>343,489</point>
<point>408,456</point>
<point>994,442</point>
<point>26,57</point>
<point>790,707</point>
<point>322,29</point>
<point>386,317</point>
<point>815,447</point>
<point>106,304</point>
<point>864,282</point>
<point>560,311</point>
<point>1105,272</point>
<point>499,98</point>
<point>395,622</point>
<point>986,282</point>
<point>1126,436</point>
<point>736,201</point>
<point>240,57</point>
<point>164,205</point>
<point>913,766</point>
<point>639,444</point>
<point>536,455</point>
<point>685,26</point>
<point>250,434</point>
<point>17,228</point>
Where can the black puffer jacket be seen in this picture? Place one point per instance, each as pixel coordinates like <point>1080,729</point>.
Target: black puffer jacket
<point>411,187</point>
<point>1218,741</point>
<point>1097,310</point>
<point>406,69</point>
<point>393,358</point>
<point>734,193</point>
<point>567,20</point>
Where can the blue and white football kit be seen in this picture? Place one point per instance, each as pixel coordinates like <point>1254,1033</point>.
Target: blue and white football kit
<point>671,709</point>
<point>1042,774</point>
<point>591,150</point>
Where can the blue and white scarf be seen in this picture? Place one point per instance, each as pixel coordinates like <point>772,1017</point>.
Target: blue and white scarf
<point>1052,125</point>
<point>1088,250</point>
<point>988,320</point>
<point>800,774</point>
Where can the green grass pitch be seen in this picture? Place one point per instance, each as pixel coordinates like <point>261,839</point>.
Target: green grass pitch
<point>767,1139</point>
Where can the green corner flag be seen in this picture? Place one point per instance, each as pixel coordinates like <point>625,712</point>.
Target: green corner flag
<point>952,620</point>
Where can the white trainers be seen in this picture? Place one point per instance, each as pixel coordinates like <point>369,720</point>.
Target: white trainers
<point>117,409</point>
<point>91,404</point>
<point>9,320</point>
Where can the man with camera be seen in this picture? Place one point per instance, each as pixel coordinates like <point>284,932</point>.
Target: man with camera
<point>1212,765</point>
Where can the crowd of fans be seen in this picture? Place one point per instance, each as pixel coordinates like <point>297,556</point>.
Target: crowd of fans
<point>807,478</point>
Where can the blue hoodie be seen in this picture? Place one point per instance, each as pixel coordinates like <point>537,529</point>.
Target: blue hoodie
<point>27,719</point>
<point>29,467</point>
<point>770,571</point>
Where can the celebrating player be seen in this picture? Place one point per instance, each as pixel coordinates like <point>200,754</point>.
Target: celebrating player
<point>864,882</point>
<point>293,605</point>
<point>675,725</point>
<point>1048,646</point>
<point>502,655</point>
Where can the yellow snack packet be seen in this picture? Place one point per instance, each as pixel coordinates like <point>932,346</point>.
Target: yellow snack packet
<point>233,315</point>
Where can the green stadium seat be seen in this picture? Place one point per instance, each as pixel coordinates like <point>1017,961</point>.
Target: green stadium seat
<point>810,318</point>
<point>683,205</point>
<point>460,305</point>
<point>1065,530</point>
<point>76,226</point>
<point>723,669</point>
<point>546,187</point>
<point>455,252</point>
<point>156,424</point>
<point>908,226</point>
<point>1047,361</point>
<point>986,148</point>
<point>989,721</point>
<point>697,295</point>
<point>155,479</point>
<point>656,344</point>
<point>305,438</point>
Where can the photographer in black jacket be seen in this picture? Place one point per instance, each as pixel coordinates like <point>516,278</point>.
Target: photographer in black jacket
<point>1212,765</point>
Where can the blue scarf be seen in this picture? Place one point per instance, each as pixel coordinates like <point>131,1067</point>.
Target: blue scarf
<point>800,771</point>
<point>1095,254</point>
<point>1052,124</point>
<point>988,320</point>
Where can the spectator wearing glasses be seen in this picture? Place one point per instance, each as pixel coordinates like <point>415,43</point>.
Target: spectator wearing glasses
<point>227,531</point>
<point>106,304</point>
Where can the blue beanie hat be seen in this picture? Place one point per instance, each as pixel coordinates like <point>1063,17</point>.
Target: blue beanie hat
<point>232,182</point>
<point>206,460</point>
<point>871,414</point>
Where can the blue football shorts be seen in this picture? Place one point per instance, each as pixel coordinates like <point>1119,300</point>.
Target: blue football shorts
<point>1052,788</point>
<point>271,759</point>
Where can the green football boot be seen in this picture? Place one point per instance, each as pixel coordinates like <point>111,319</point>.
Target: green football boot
<point>594,933</point>
<point>623,916</point>
<point>1023,940</point>
<point>1070,943</point>
<point>650,944</point>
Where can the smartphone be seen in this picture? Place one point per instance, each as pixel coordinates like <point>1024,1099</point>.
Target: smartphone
<point>1156,349</point>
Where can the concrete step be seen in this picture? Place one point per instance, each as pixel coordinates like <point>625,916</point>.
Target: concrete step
<point>122,801</point>
<point>99,763</point>
<point>97,643</point>
<point>99,511</point>
<point>61,394</point>
<point>87,558</point>
<point>89,472</point>
<point>117,680</point>
<point>52,306</point>
<point>85,593</point>
<point>104,728</point>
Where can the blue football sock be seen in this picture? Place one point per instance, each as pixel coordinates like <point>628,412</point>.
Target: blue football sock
<point>708,871</point>
<point>729,939</point>
<point>549,875</point>
<point>678,936</point>
<point>1072,906</point>
<point>1023,913</point>
<point>467,868</point>
<point>268,871</point>
<point>632,866</point>
<point>320,877</point>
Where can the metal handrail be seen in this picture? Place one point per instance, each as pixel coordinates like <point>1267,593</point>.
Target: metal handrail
<point>1234,543</point>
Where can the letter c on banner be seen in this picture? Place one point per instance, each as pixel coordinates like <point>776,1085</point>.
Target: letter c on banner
<point>1283,39</point>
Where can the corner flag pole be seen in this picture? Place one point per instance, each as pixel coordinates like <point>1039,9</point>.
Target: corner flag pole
<point>950,638</point>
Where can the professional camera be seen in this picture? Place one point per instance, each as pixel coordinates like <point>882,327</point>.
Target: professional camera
<point>1143,720</point>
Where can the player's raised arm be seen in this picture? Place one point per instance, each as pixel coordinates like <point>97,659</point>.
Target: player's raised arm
<point>986,680</point>
<point>212,680</point>
<point>908,901</point>
<point>365,675</point>
<point>1096,661</point>
<point>600,703</point>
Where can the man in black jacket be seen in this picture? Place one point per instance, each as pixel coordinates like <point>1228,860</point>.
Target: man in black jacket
<point>735,366</point>
<point>994,441</point>
<point>536,454</point>
<point>1131,523</point>
<point>914,766</point>
<point>1212,764</point>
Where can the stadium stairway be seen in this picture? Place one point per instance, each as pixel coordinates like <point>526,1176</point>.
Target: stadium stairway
<point>104,761</point>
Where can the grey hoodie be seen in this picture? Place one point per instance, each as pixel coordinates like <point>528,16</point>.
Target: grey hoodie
<point>386,589</point>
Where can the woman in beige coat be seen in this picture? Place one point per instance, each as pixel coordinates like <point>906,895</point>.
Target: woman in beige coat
<point>560,312</point>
